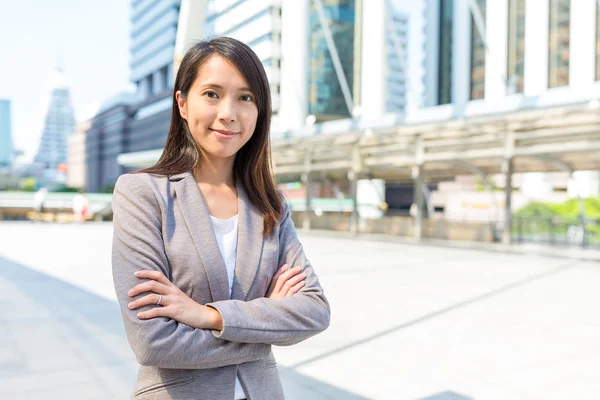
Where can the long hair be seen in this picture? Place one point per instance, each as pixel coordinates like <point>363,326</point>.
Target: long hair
<point>252,165</point>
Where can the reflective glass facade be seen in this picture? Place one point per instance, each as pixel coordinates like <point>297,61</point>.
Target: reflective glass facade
<point>445,56</point>
<point>326,99</point>
<point>153,33</point>
<point>515,71</point>
<point>558,43</point>
<point>6,147</point>
<point>59,124</point>
<point>477,56</point>
<point>396,46</point>
<point>598,42</point>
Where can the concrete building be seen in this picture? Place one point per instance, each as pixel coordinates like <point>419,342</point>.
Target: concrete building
<point>135,127</point>
<point>6,146</point>
<point>533,47</point>
<point>153,34</point>
<point>59,124</point>
<point>384,60</point>
<point>108,136</point>
<point>517,50</point>
<point>76,163</point>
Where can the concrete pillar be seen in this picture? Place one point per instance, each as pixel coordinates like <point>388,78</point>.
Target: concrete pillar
<point>307,181</point>
<point>295,60</point>
<point>582,60</point>
<point>536,47</point>
<point>353,178</point>
<point>497,39</point>
<point>419,200</point>
<point>508,171</point>
<point>158,82</point>
<point>432,50</point>
<point>373,90</point>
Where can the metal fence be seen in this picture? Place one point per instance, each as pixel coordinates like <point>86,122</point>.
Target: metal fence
<point>557,231</point>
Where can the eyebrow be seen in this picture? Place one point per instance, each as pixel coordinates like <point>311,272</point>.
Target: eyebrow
<point>214,85</point>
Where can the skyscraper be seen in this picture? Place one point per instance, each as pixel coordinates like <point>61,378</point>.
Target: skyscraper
<point>256,23</point>
<point>6,148</point>
<point>153,34</point>
<point>326,96</point>
<point>59,125</point>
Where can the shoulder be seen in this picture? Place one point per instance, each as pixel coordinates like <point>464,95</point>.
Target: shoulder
<point>141,186</point>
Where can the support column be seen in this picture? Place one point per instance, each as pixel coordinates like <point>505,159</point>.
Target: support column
<point>507,231</point>
<point>307,181</point>
<point>419,200</point>
<point>353,178</point>
<point>418,175</point>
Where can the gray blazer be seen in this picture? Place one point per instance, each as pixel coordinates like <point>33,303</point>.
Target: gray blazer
<point>162,223</point>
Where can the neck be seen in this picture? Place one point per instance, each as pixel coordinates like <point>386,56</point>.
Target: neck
<point>215,171</point>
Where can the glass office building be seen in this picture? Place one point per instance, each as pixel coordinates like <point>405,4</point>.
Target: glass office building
<point>153,34</point>
<point>59,125</point>
<point>326,99</point>
<point>6,147</point>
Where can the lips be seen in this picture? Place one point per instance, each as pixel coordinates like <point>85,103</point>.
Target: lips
<point>223,132</point>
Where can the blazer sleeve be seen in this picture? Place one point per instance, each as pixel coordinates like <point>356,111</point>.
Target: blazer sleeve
<point>281,322</point>
<point>137,245</point>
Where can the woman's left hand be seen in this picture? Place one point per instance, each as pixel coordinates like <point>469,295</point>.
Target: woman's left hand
<point>174,303</point>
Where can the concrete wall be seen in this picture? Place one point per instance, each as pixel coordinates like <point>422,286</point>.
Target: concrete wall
<point>403,226</point>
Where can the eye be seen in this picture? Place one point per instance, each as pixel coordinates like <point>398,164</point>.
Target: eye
<point>246,97</point>
<point>211,95</point>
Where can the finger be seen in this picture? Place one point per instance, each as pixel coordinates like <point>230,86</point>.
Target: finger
<point>293,281</point>
<point>154,275</point>
<point>151,299</point>
<point>280,271</point>
<point>295,289</point>
<point>149,286</point>
<point>286,276</point>
<point>155,312</point>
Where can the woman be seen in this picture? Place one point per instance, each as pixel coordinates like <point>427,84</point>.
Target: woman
<point>207,266</point>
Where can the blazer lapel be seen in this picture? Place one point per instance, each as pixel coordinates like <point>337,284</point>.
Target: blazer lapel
<point>196,217</point>
<point>249,245</point>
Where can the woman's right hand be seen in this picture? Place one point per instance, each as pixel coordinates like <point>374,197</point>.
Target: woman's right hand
<point>286,282</point>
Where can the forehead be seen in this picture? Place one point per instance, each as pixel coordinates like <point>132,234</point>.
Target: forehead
<point>220,71</point>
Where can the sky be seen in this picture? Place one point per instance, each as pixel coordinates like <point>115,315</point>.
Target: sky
<point>93,38</point>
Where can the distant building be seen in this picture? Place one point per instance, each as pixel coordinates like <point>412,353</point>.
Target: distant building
<point>59,125</point>
<point>76,157</point>
<point>108,135</point>
<point>532,48</point>
<point>6,146</point>
<point>384,60</point>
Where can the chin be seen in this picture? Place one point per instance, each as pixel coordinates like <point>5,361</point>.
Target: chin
<point>223,153</point>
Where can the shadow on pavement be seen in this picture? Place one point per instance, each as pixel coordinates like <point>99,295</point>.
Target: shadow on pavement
<point>446,396</point>
<point>63,340</point>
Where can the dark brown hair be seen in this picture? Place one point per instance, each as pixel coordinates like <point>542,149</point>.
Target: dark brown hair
<point>252,165</point>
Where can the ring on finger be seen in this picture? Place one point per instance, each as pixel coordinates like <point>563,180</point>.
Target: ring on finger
<point>159,299</point>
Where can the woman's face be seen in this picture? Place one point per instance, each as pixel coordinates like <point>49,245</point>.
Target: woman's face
<point>219,108</point>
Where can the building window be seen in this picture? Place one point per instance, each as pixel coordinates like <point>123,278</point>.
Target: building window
<point>515,71</point>
<point>477,56</point>
<point>326,99</point>
<point>445,64</point>
<point>598,42</point>
<point>558,43</point>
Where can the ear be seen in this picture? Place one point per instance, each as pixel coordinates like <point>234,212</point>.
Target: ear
<point>181,103</point>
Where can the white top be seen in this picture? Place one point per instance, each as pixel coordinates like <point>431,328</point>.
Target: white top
<point>226,232</point>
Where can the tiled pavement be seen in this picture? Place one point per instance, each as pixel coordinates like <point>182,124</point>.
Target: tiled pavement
<point>408,322</point>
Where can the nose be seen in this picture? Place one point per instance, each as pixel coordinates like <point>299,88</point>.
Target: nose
<point>227,111</point>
